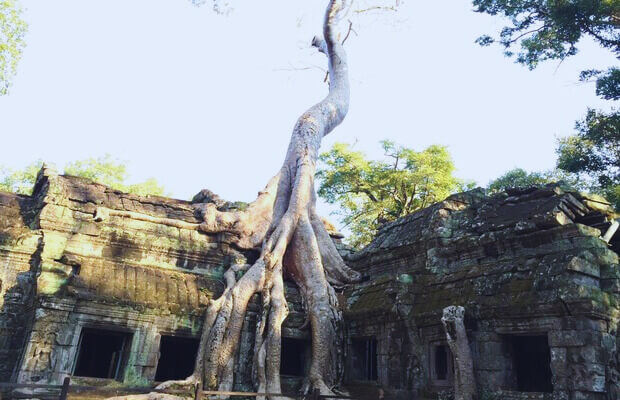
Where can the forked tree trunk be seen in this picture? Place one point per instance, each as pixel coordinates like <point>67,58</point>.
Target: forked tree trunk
<point>294,243</point>
<point>464,381</point>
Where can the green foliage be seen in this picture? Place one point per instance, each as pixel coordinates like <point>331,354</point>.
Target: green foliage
<point>594,152</point>
<point>516,177</point>
<point>111,173</point>
<point>12,31</point>
<point>607,82</point>
<point>21,181</point>
<point>148,187</point>
<point>550,29</point>
<point>519,177</point>
<point>371,193</point>
<point>104,170</point>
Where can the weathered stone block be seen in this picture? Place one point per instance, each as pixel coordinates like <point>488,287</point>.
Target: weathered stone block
<point>490,356</point>
<point>560,395</point>
<point>567,338</point>
<point>558,360</point>
<point>581,265</point>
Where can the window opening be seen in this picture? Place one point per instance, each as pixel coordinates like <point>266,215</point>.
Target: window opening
<point>177,356</point>
<point>294,356</point>
<point>531,359</point>
<point>364,358</point>
<point>441,362</point>
<point>102,354</point>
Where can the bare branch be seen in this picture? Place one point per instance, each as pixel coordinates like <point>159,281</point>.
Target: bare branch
<point>349,32</point>
<point>376,8</point>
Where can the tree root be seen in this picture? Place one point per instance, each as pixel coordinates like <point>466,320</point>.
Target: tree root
<point>248,226</point>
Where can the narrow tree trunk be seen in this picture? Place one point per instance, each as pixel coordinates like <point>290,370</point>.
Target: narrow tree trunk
<point>464,380</point>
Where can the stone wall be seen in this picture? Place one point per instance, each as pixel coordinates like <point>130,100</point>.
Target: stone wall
<point>79,256</point>
<point>19,256</point>
<point>529,267</point>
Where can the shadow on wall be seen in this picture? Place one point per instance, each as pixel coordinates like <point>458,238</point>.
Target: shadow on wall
<point>18,282</point>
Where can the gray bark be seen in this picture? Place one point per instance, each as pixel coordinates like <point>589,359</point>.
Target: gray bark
<point>293,241</point>
<point>464,380</point>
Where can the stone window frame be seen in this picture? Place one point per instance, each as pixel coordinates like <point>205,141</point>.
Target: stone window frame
<point>449,381</point>
<point>540,326</point>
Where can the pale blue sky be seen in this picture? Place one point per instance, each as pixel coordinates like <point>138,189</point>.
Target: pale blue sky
<point>200,100</point>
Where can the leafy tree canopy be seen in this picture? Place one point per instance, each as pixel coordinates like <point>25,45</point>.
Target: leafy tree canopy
<point>607,82</point>
<point>20,181</point>
<point>12,31</point>
<point>594,153</point>
<point>550,29</point>
<point>104,170</point>
<point>542,30</point>
<point>371,192</point>
<point>519,177</point>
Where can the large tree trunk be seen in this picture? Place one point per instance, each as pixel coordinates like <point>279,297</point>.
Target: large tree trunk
<point>294,243</point>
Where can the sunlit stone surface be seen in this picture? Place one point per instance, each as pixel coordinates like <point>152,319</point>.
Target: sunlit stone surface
<point>81,262</point>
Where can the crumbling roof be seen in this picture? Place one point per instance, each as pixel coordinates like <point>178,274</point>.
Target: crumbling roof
<point>521,209</point>
<point>528,251</point>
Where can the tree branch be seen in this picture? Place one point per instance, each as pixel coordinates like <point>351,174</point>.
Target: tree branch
<point>511,41</point>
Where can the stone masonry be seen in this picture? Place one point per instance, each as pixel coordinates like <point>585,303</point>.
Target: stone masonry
<point>539,285</point>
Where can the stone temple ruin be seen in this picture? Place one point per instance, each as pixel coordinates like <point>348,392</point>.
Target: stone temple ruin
<point>111,289</point>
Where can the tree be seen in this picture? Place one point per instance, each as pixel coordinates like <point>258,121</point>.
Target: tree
<point>283,223</point>
<point>371,193</point>
<point>104,170</point>
<point>607,82</point>
<point>519,177</point>
<point>114,174</point>
<point>12,31</point>
<point>20,181</point>
<point>551,29</point>
<point>594,152</point>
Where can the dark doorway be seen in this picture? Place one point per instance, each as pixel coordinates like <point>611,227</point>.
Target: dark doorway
<point>102,354</point>
<point>177,356</point>
<point>294,356</point>
<point>532,363</point>
<point>364,359</point>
